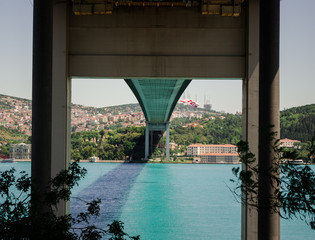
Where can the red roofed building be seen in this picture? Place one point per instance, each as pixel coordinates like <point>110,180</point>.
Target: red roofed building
<point>199,149</point>
<point>289,143</point>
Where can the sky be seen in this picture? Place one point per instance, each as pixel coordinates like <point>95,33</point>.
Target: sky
<point>297,63</point>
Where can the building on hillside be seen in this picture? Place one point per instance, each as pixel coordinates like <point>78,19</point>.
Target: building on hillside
<point>207,107</point>
<point>194,125</point>
<point>199,149</point>
<point>3,123</point>
<point>289,143</point>
<point>20,151</point>
<point>219,158</point>
<point>173,146</point>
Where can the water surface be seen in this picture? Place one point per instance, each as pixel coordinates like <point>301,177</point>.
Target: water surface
<point>167,201</point>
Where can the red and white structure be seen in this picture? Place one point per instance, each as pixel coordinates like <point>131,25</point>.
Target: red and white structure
<point>289,143</point>
<point>199,149</point>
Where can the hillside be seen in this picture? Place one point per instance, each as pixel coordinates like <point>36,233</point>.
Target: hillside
<point>298,123</point>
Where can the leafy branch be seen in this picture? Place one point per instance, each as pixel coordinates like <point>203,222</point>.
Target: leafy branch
<point>293,188</point>
<point>21,220</point>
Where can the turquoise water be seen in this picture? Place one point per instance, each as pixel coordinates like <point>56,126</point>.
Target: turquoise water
<point>168,201</point>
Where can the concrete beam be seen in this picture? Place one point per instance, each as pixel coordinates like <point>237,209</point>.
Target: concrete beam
<point>136,66</point>
<point>162,42</point>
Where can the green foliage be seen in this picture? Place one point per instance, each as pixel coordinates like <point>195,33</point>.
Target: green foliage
<point>116,230</point>
<point>19,219</point>
<point>118,144</point>
<point>127,142</point>
<point>298,123</point>
<point>293,188</point>
<point>218,131</point>
<point>10,136</point>
<point>297,196</point>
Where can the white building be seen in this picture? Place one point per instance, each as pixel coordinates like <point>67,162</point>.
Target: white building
<point>20,151</point>
<point>199,149</point>
<point>289,143</point>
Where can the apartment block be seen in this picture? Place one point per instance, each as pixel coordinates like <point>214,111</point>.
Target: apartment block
<point>199,149</point>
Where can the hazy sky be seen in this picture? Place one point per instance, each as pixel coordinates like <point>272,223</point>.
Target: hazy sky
<point>297,63</point>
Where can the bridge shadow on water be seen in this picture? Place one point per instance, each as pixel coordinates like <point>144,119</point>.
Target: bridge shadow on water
<point>113,189</point>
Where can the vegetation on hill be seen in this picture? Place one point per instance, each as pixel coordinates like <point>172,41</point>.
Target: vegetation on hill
<point>128,143</point>
<point>119,144</point>
<point>298,123</point>
<point>8,137</point>
<point>4,105</point>
<point>212,131</point>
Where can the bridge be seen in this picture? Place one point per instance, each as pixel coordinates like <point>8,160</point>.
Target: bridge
<point>157,98</point>
<point>157,47</point>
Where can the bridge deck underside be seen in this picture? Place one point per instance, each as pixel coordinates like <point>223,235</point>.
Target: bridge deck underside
<point>157,97</point>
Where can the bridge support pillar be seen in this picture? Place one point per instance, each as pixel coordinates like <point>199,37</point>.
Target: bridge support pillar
<point>51,95</point>
<point>261,110</point>
<point>146,145</point>
<point>269,117</point>
<point>167,141</point>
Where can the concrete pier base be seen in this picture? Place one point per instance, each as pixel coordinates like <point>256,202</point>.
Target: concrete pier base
<point>167,145</point>
<point>146,146</point>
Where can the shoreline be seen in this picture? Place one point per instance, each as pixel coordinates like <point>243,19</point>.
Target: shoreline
<point>140,161</point>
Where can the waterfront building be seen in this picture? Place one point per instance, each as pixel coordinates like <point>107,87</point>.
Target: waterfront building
<point>199,149</point>
<point>289,143</point>
<point>20,151</point>
<point>219,158</point>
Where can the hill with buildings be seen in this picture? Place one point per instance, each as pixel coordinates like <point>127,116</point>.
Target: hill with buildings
<point>16,116</point>
<point>112,132</point>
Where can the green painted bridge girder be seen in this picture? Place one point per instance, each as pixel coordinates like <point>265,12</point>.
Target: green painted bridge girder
<point>158,97</point>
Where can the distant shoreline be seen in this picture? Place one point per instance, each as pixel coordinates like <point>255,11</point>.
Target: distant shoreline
<point>149,162</point>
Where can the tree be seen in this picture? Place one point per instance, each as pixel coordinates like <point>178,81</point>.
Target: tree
<point>296,197</point>
<point>102,133</point>
<point>87,152</point>
<point>76,155</point>
<point>21,220</point>
<point>128,147</point>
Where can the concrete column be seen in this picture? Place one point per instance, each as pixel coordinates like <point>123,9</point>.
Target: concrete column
<point>61,96</point>
<point>146,146</point>
<point>167,141</point>
<point>51,94</point>
<point>42,95</point>
<point>251,111</point>
<point>269,115</point>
